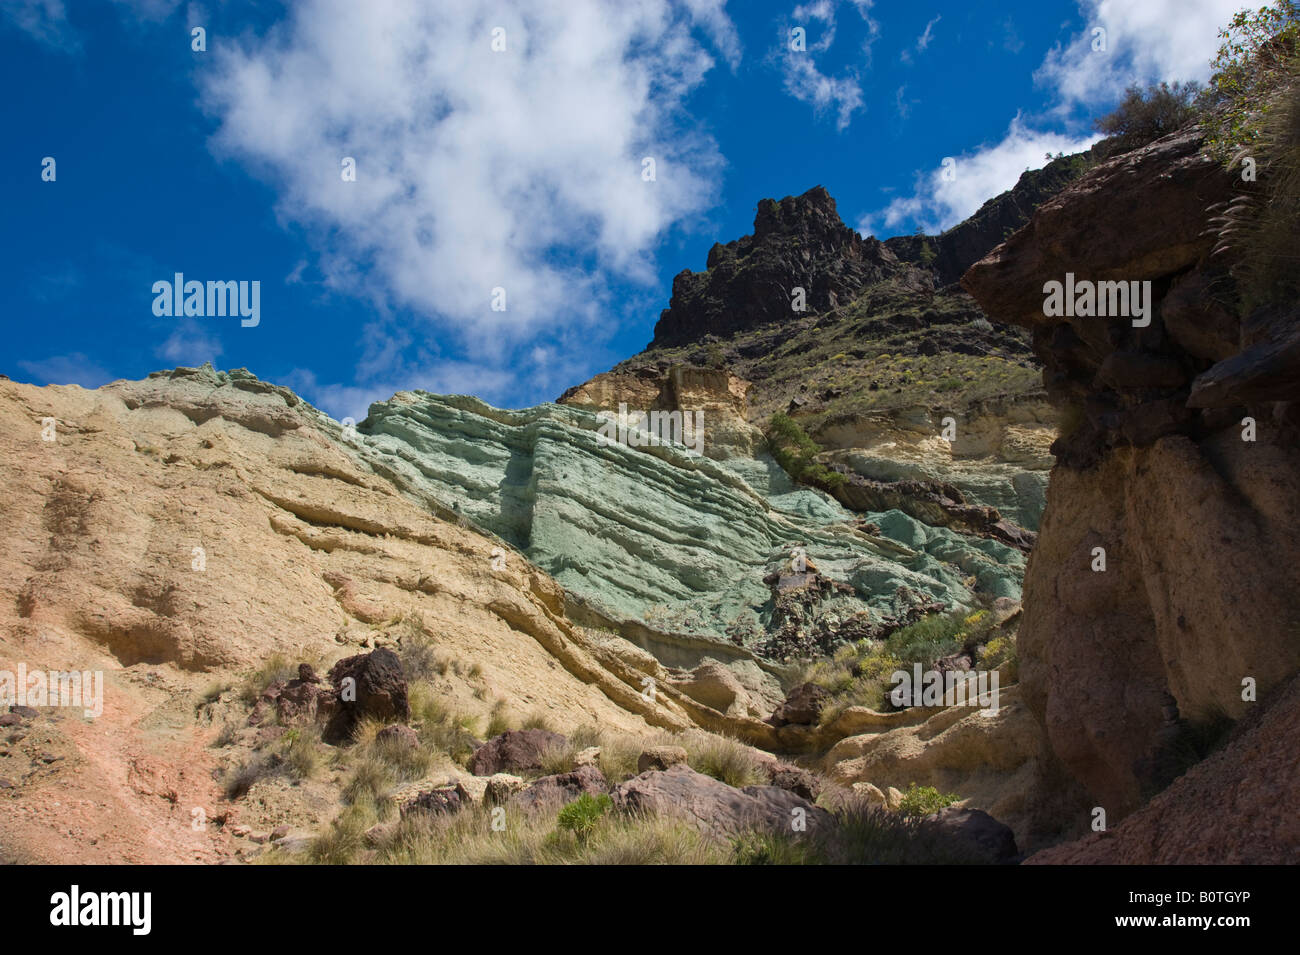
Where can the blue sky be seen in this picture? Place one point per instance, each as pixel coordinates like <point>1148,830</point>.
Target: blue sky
<point>518,168</point>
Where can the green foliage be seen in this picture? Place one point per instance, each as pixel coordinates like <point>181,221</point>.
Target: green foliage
<point>795,451</point>
<point>1000,652</point>
<point>1254,123</point>
<point>1255,60</point>
<point>581,816</point>
<point>858,674</point>
<point>924,800</point>
<point>1145,115</point>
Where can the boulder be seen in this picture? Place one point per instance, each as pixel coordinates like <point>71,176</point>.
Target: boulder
<point>713,806</point>
<point>441,800</point>
<point>500,787</point>
<point>550,792</point>
<point>974,833</point>
<point>660,757</point>
<point>368,685</point>
<point>803,706</point>
<point>801,782</point>
<point>305,700</point>
<point>516,751</point>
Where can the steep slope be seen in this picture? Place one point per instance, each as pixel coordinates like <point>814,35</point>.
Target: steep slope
<point>178,532</point>
<point>891,369</point>
<point>663,537</point>
<point>303,551</point>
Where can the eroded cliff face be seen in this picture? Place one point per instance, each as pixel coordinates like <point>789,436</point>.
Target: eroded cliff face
<point>1158,468</point>
<point>178,532</point>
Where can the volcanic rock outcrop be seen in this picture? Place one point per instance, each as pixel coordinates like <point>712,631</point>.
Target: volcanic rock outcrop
<point>1160,596</point>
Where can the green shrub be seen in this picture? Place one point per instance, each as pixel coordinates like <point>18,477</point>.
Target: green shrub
<point>1254,120</point>
<point>766,848</point>
<point>924,800</point>
<point>1255,60</point>
<point>581,816</point>
<point>1145,115</point>
<point>795,451</point>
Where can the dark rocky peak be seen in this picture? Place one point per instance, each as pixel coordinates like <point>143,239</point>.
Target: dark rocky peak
<point>813,214</point>
<point>798,242</point>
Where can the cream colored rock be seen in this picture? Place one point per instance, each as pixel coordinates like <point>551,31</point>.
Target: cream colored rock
<point>991,761</point>
<point>181,530</point>
<point>1201,572</point>
<point>870,793</point>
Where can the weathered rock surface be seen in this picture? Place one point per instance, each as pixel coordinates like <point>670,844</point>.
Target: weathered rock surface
<point>1240,806</point>
<point>977,834</point>
<point>803,706</point>
<point>797,242</point>
<point>659,757</point>
<point>514,751</point>
<point>658,536</point>
<point>550,792</point>
<point>368,685</point>
<point>179,532</point>
<point>1118,664</point>
<point>714,807</point>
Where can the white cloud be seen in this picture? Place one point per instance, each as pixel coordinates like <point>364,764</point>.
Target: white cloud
<point>807,84</point>
<point>923,41</point>
<point>711,16</point>
<point>71,369</point>
<point>189,345</point>
<point>1145,42</point>
<point>941,202</point>
<point>446,378</point>
<point>804,80</point>
<point>44,20</point>
<point>477,169</point>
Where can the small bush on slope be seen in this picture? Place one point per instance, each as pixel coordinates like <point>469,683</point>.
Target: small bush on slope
<point>1145,115</point>
<point>924,800</point>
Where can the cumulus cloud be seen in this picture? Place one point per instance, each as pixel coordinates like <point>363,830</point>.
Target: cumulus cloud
<point>804,80</point>
<point>1144,42</point>
<point>941,201</point>
<point>478,168</point>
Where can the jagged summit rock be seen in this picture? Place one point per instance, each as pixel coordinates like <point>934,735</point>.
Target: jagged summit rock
<point>797,242</point>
